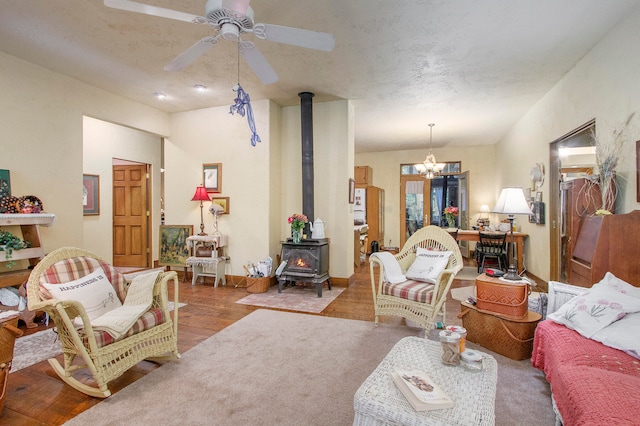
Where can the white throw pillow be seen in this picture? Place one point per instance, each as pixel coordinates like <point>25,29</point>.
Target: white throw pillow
<point>595,309</point>
<point>93,291</point>
<point>622,334</point>
<point>428,265</point>
<point>610,280</point>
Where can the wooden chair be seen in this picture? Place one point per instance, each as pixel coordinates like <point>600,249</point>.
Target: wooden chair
<point>492,246</point>
<point>153,336</point>
<point>420,312</point>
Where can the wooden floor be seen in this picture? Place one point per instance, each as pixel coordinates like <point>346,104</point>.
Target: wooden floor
<point>36,396</point>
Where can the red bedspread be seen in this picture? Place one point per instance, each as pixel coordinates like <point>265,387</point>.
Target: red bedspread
<point>592,384</point>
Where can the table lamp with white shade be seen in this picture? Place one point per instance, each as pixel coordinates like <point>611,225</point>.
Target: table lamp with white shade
<point>512,202</point>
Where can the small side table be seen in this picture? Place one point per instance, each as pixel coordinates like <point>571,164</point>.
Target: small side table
<point>217,264</point>
<point>211,266</point>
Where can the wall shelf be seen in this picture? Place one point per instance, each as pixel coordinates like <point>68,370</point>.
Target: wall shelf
<point>29,226</point>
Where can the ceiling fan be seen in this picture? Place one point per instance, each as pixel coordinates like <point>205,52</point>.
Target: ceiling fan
<point>230,19</point>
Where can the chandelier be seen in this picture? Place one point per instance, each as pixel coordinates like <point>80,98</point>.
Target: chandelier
<point>429,168</point>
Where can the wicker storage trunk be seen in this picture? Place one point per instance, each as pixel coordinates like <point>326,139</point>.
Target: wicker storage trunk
<point>258,285</point>
<point>505,298</point>
<point>512,338</point>
<point>8,332</point>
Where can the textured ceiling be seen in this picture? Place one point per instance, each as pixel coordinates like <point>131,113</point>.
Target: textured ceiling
<point>473,67</point>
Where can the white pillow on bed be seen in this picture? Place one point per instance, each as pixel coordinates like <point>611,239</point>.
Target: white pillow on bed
<point>428,265</point>
<point>610,280</point>
<point>601,305</point>
<point>622,334</point>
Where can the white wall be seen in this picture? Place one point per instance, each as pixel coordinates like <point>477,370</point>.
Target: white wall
<point>212,135</point>
<point>42,139</point>
<point>478,160</point>
<point>333,147</point>
<point>104,142</point>
<point>604,85</point>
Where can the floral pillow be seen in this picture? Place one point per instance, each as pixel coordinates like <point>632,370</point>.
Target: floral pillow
<point>595,309</point>
<point>428,265</point>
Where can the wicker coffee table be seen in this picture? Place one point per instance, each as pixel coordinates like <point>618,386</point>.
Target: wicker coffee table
<point>379,402</point>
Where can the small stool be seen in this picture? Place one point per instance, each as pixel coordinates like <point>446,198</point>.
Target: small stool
<point>217,264</point>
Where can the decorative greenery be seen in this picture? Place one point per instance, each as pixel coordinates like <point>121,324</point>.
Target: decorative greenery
<point>297,221</point>
<point>9,243</point>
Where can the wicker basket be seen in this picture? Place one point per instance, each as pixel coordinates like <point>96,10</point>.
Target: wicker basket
<point>8,332</point>
<point>258,285</point>
<point>502,298</point>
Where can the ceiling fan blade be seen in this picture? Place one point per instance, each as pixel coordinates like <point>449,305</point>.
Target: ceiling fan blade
<point>258,63</point>
<point>133,6</point>
<point>192,53</point>
<point>295,36</point>
<point>238,6</point>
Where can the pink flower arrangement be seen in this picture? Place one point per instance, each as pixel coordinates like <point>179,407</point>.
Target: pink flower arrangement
<point>450,214</point>
<point>297,221</point>
<point>451,211</point>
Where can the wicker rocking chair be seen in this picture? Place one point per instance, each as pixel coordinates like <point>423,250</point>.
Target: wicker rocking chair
<point>423,302</point>
<point>154,336</point>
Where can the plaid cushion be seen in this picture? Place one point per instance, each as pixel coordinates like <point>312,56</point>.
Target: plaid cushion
<point>77,267</point>
<point>148,320</point>
<point>410,290</point>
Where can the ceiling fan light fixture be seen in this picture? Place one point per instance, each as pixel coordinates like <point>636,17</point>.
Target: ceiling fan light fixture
<point>160,95</point>
<point>230,32</point>
<point>200,87</point>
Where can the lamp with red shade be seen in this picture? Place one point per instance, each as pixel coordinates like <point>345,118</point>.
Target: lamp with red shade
<point>201,195</point>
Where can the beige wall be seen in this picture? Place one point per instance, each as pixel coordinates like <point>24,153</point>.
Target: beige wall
<point>42,139</point>
<point>333,147</point>
<point>104,142</point>
<point>604,86</point>
<point>478,160</point>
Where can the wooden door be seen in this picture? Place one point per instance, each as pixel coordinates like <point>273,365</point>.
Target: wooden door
<point>131,246</point>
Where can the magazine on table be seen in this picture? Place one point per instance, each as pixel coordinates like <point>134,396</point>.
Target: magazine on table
<point>421,392</point>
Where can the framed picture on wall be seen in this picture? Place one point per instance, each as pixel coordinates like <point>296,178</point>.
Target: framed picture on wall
<point>212,177</point>
<point>90,195</point>
<point>174,249</point>
<point>5,183</point>
<point>222,202</point>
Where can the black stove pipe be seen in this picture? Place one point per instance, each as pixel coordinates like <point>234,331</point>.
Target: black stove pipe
<point>306,116</point>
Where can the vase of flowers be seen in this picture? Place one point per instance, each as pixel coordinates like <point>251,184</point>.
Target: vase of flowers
<point>297,222</point>
<point>450,214</point>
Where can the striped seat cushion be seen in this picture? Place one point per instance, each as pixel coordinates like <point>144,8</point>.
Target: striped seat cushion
<point>147,321</point>
<point>410,290</point>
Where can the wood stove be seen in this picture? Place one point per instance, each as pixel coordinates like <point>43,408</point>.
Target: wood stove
<point>306,261</point>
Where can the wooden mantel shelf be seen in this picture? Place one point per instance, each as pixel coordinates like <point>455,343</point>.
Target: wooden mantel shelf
<point>45,219</point>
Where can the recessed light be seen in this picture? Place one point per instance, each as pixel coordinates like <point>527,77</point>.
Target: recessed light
<point>200,87</point>
<point>160,95</point>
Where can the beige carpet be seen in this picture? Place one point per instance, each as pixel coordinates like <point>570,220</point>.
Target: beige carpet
<point>282,368</point>
<point>296,298</point>
<point>269,368</point>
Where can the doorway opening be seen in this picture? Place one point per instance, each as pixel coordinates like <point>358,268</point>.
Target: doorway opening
<point>423,200</point>
<point>572,158</point>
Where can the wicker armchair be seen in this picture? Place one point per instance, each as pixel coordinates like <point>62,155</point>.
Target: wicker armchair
<point>154,336</point>
<point>421,312</point>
